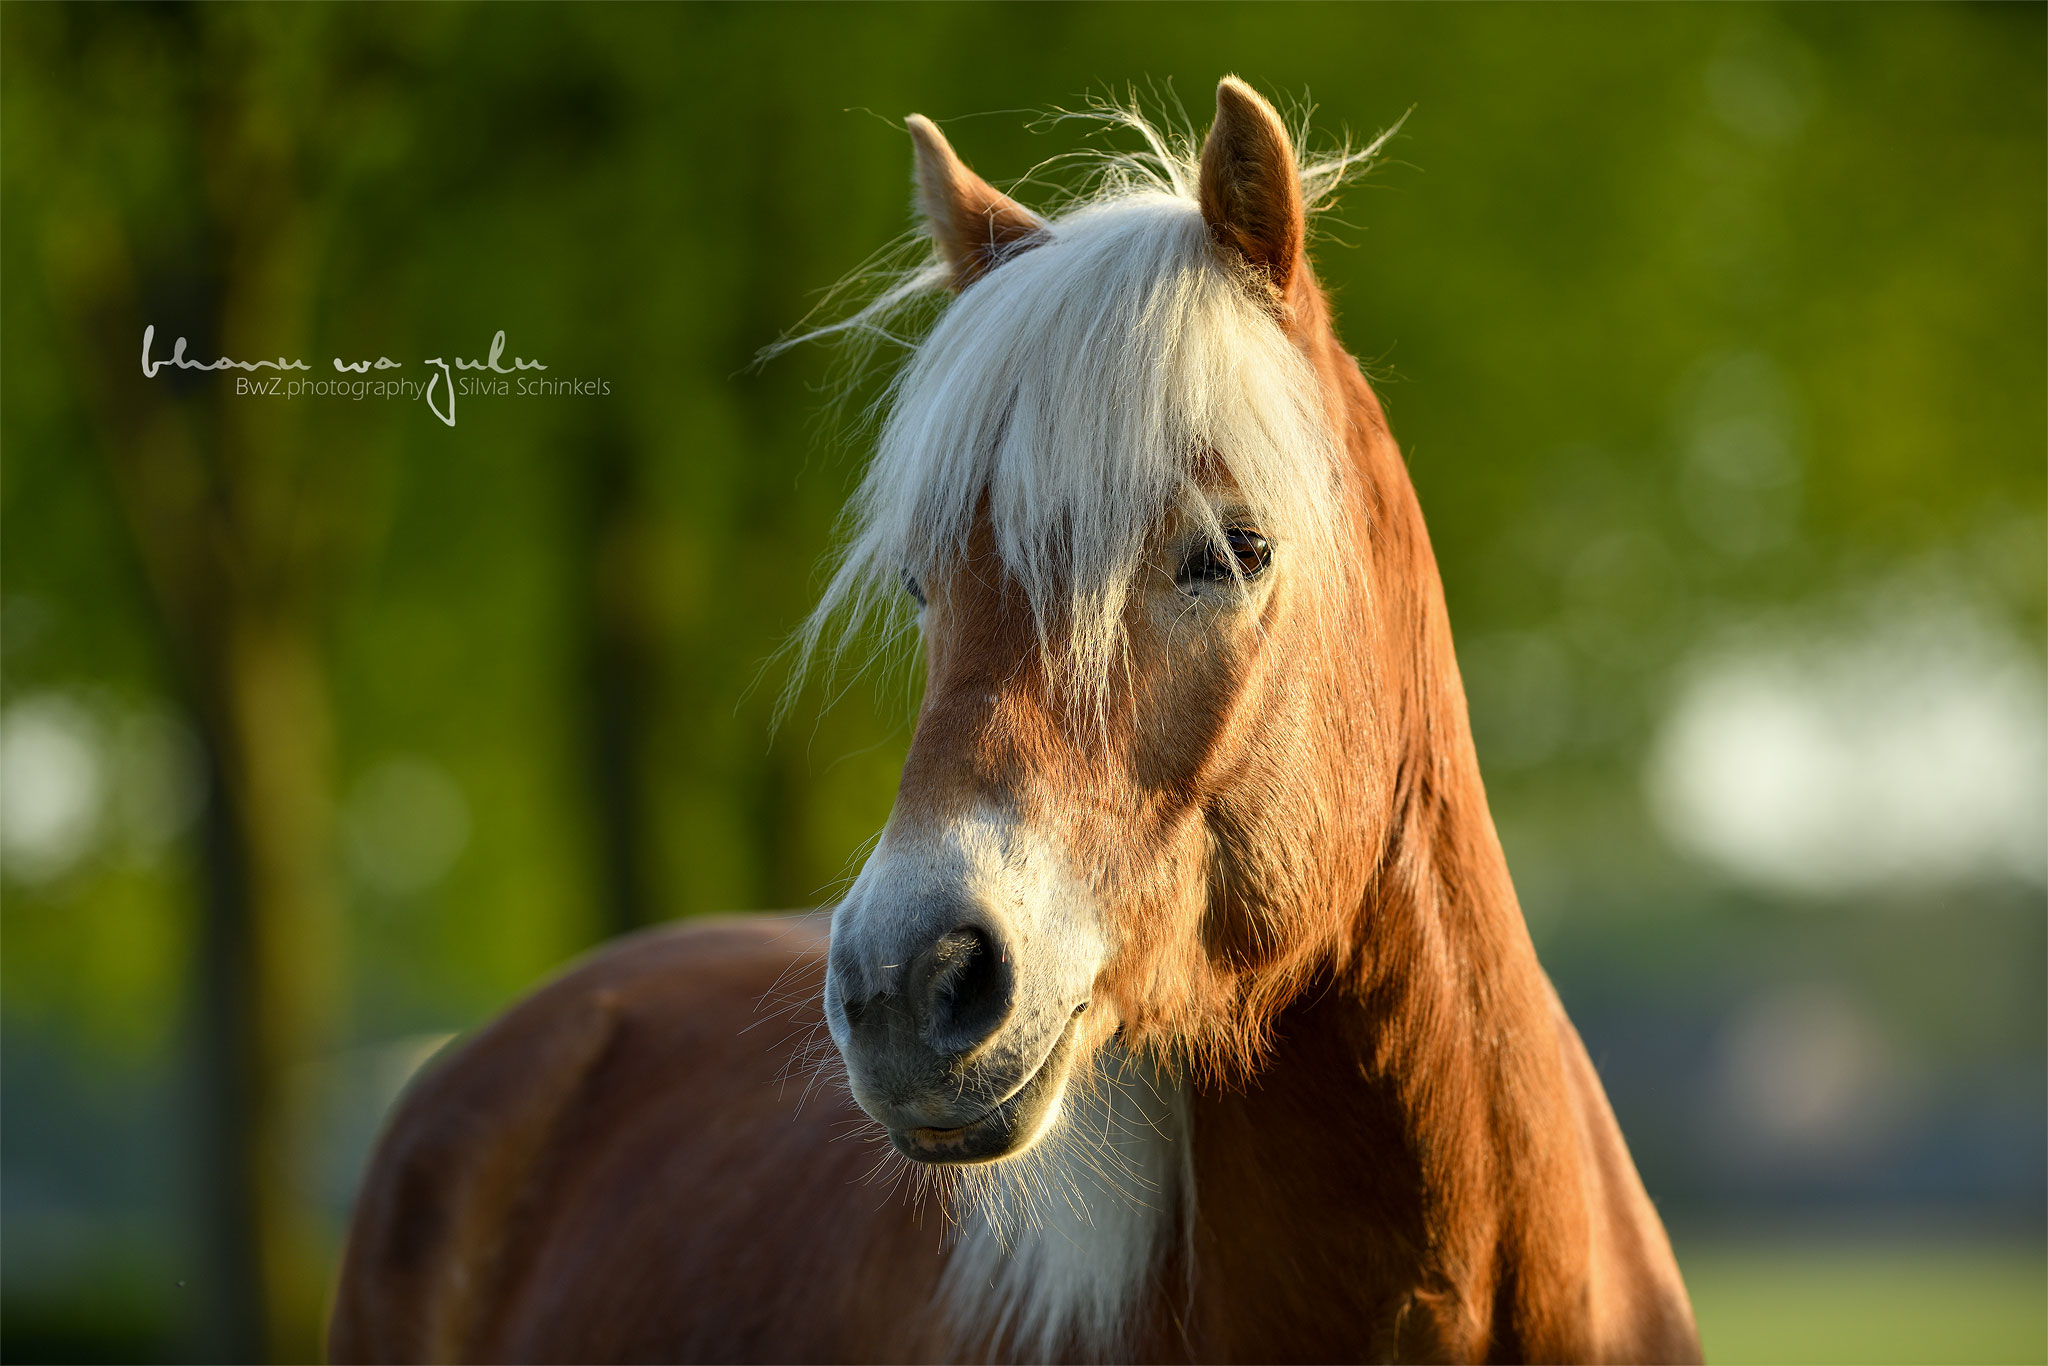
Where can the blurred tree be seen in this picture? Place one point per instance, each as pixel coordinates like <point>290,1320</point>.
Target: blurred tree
<point>621,650</point>
<point>239,516</point>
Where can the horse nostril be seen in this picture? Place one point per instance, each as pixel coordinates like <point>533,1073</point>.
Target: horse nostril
<point>853,1010</point>
<point>967,992</point>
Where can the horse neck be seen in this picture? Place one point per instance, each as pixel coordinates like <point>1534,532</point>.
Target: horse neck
<point>1409,1146</point>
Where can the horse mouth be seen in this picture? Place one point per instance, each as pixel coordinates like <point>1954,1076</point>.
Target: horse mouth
<point>1006,1128</point>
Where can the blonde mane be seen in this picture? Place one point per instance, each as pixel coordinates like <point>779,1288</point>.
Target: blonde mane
<point>1076,396</point>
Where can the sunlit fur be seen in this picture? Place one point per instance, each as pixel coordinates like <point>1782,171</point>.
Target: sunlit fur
<point>1049,1251</point>
<point>1052,1249</point>
<point>1326,1104</point>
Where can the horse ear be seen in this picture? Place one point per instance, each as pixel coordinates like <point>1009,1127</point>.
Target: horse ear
<point>1250,186</point>
<point>974,224</point>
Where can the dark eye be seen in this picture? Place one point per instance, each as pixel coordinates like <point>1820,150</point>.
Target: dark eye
<point>912,587</point>
<point>1212,563</point>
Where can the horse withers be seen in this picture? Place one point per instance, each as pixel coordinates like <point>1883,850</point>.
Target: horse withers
<point>1184,1009</point>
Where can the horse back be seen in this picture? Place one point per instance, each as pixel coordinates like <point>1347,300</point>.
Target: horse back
<point>634,1165</point>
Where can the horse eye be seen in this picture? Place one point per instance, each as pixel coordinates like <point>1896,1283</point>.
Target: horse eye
<point>1212,563</point>
<point>913,587</point>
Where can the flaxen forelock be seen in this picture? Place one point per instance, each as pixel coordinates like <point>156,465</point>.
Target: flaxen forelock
<point>1080,393</point>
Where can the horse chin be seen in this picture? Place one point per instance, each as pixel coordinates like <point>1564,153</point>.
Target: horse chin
<point>1009,1128</point>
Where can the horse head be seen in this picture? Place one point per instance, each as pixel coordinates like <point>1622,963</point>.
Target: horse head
<point>1130,484</point>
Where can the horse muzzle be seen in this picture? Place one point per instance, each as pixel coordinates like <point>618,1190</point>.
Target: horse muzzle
<point>961,968</point>
<point>945,1055</point>
<point>942,1057</point>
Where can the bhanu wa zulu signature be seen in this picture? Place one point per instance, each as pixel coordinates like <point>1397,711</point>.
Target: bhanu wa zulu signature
<point>278,385</point>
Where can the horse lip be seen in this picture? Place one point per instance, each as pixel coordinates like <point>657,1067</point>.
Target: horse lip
<point>994,1133</point>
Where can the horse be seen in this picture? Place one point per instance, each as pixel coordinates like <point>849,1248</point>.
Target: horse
<point>1183,1009</point>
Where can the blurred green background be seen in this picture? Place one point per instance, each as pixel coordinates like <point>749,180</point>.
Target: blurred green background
<point>1714,336</point>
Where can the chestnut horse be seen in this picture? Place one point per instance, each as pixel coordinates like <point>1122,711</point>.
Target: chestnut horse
<point>1186,979</point>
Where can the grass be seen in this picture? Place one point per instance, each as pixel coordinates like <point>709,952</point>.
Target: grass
<point>1873,1302</point>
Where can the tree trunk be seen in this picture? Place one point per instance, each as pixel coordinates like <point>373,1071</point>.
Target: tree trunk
<point>619,657</point>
